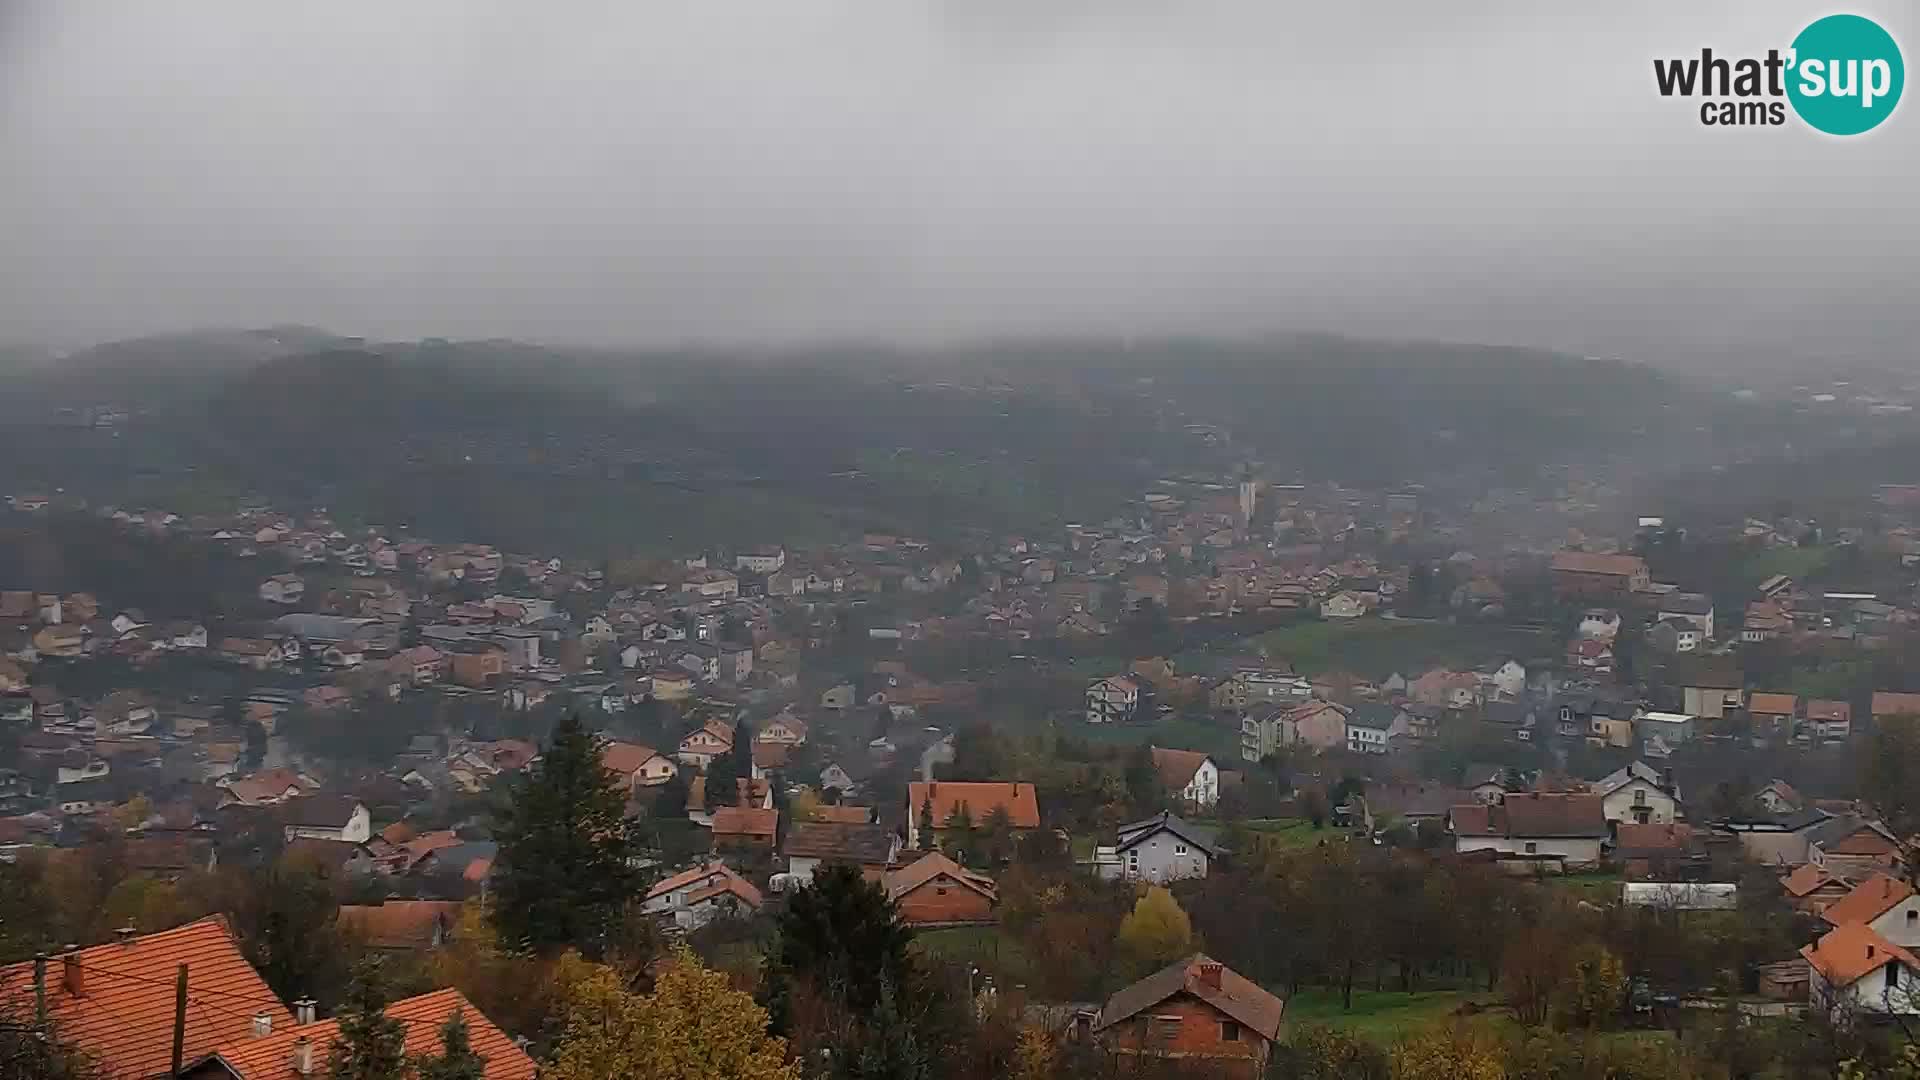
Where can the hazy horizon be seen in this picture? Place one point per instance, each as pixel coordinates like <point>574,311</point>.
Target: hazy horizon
<point>931,173</point>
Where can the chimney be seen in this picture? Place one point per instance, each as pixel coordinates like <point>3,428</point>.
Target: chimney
<point>303,1056</point>
<point>124,935</point>
<point>1209,975</point>
<point>72,976</point>
<point>262,1024</point>
<point>303,1012</point>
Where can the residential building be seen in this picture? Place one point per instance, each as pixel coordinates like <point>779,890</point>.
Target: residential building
<point>1637,793</point>
<point>1711,692</point>
<point>1563,829</point>
<point>1670,728</point>
<point>1189,776</point>
<point>1829,721</point>
<point>809,844</point>
<point>705,743</point>
<point>1695,609</point>
<point>761,560</point>
<point>1772,716</point>
<point>1854,970</point>
<point>1582,574</point>
<point>1196,1011</point>
<point>114,1003</point>
<point>283,589</point>
<point>637,765</point>
<point>1371,725</point>
<point>1888,704</point>
<point>1675,635</point>
<point>693,898</point>
<point>1112,700</point>
<point>934,891</point>
<point>746,829</point>
<point>1160,849</point>
<point>942,801</point>
<point>305,1048</point>
<point>326,817</point>
<point>401,925</point>
<point>1886,904</point>
<point>1321,725</point>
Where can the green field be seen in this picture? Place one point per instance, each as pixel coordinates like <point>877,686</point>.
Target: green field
<point>1795,562</point>
<point>1289,834</point>
<point>1376,648</point>
<point>1600,888</point>
<point>1383,1015</point>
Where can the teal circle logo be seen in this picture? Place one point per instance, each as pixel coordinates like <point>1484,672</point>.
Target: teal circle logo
<point>1846,75</point>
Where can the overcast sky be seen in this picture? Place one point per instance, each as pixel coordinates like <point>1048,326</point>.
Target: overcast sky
<point>792,170</point>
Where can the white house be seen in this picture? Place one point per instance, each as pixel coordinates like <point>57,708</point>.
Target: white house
<point>702,746</point>
<point>1600,624</point>
<point>1160,849</point>
<point>1112,699</point>
<point>327,817</point>
<point>1370,727</point>
<point>1635,792</point>
<point>693,898</point>
<point>283,589</point>
<point>1508,679</point>
<point>1558,828</point>
<point>1189,775</point>
<point>1855,970</point>
<point>1695,609</point>
<point>1671,728</point>
<point>764,560</point>
<point>1343,605</point>
<point>1885,904</point>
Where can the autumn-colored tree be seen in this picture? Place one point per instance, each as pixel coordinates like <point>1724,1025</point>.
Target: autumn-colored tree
<point>692,1027</point>
<point>805,806</point>
<point>1319,1053</point>
<point>1530,971</point>
<point>1033,1054</point>
<point>1155,934</point>
<point>1452,1052</point>
<point>1592,988</point>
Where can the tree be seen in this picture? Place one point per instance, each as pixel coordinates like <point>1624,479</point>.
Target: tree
<point>255,750</point>
<point>1033,1054</point>
<point>727,770</point>
<point>885,1047</point>
<point>842,935</point>
<point>372,1045</point>
<point>1156,933</point>
<point>962,839</point>
<point>456,1060</point>
<point>566,849</point>
<point>1890,776</point>
<point>1593,988</point>
<point>926,823</point>
<point>1451,1052</point>
<point>692,1027</point>
<point>285,917</point>
<point>1320,1053</point>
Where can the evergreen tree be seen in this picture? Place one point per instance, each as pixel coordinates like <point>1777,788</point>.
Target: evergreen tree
<point>372,1045</point>
<point>886,1047</point>
<point>926,824</point>
<point>456,1061</point>
<point>566,848</point>
<point>724,774</point>
<point>962,837</point>
<point>843,935</point>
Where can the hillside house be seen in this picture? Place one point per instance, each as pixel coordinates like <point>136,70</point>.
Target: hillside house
<point>1196,1011</point>
<point>1853,970</point>
<point>705,743</point>
<point>693,898</point>
<point>1564,830</point>
<point>1188,775</point>
<point>935,891</point>
<point>1580,574</point>
<point>809,844</point>
<point>1160,849</point>
<point>942,801</point>
<point>1112,700</point>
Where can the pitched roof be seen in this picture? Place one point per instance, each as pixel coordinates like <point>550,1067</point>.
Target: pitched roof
<point>1584,562</point>
<point>844,814</point>
<point>1772,704</point>
<point>1136,831</point>
<point>399,924</point>
<point>627,758</point>
<point>1533,814</point>
<point>1177,767</point>
<point>730,882</point>
<point>1889,703</point>
<point>323,811</point>
<point>980,798</point>
<point>1808,878</point>
<point>123,1016</point>
<point>1236,996</point>
<point>1632,837</point>
<point>1829,711</point>
<point>1844,954</point>
<point>745,821</point>
<point>271,1056</point>
<point>863,844</point>
<point>933,865</point>
<point>1868,901</point>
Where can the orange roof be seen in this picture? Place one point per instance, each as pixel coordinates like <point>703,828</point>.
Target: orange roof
<point>1844,954</point>
<point>1807,878</point>
<point>626,758</point>
<point>1889,703</point>
<point>1772,704</point>
<point>745,821</point>
<point>843,814</point>
<point>933,866</point>
<point>1177,766</point>
<point>770,755</point>
<point>122,1016</point>
<point>272,1055</point>
<point>1829,711</point>
<point>980,799</point>
<point>399,924</point>
<point>1868,901</point>
<point>729,881</point>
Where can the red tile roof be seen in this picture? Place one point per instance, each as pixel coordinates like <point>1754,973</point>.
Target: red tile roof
<point>1868,901</point>
<point>1843,955</point>
<point>399,924</point>
<point>122,1016</point>
<point>1177,767</point>
<point>745,821</point>
<point>980,799</point>
<point>1888,703</point>
<point>1232,994</point>
<point>271,1056</point>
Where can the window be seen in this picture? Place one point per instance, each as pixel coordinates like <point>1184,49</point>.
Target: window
<point>1913,917</point>
<point>1229,1031</point>
<point>1179,849</point>
<point>1893,974</point>
<point>1533,848</point>
<point>1164,1029</point>
<point>1639,796</point>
